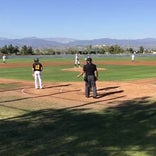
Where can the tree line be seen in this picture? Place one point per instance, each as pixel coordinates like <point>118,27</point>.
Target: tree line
<point>10,50</point>
<point>28,50</point>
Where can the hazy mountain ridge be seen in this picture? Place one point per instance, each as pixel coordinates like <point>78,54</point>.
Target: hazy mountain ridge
<point>68,42</point>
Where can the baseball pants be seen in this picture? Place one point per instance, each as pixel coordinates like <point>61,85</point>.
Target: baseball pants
<point>38,79</point>
<point>90,84</point>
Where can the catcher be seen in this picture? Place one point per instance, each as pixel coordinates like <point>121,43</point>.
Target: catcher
<point>37,73</point>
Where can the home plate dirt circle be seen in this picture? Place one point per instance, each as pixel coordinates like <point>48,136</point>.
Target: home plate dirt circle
<point>71,94</point>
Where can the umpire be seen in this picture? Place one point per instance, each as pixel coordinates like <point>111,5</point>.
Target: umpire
<point>90,74</point>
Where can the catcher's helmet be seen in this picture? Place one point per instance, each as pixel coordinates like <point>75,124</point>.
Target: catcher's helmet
<point>36,60</point>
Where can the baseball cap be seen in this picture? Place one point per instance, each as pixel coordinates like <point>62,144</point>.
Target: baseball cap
<point>89,59</point>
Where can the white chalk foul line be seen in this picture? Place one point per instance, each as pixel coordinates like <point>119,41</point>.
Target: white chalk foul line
<point>23,91</point>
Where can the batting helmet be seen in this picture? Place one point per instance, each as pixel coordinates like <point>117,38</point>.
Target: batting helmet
<point>36,60</point>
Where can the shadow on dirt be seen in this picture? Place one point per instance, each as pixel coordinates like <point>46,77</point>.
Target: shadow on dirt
<point>109,93</point>
<point>124,130</point>
<point>37,96</point>
<point>108,88</point>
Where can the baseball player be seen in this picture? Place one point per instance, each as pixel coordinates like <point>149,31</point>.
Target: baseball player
<point>4,58</point>
<point>90,74</point>
<point>77,61</point>
<point>133,56</point>
<point>36,73</point>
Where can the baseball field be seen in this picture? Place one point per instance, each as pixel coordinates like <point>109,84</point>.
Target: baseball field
<point>59,121</point>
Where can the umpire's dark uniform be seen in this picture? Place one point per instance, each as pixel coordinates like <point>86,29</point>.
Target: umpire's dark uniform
<point>91,75</point>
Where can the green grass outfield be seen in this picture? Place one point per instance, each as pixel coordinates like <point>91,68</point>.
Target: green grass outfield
<point>55,73</point>
<point>126,130</point>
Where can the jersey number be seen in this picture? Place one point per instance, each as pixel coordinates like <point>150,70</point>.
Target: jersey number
<point>37,67</point>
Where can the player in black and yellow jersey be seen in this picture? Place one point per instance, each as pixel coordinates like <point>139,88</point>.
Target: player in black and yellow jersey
<point>37,68</point>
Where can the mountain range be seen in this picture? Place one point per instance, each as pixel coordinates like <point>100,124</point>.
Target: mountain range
<point>149,43</point>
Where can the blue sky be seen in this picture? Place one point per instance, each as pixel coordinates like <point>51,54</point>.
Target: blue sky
<point>78,19</point>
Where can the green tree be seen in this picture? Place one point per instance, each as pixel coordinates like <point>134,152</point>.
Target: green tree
<point>4,50</point>
<point>72,50</point>
<point>12,49</point>
<point>25,50</point>
<point>141,49</point>
<point>130,50</point>
<point>111,49</point>
<point>30,51</point>
<point>16,50</point>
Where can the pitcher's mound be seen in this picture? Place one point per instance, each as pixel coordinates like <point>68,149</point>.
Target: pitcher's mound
<point>79,69</point>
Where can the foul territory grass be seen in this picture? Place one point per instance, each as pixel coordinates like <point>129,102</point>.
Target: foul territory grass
<point>126,130</point>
